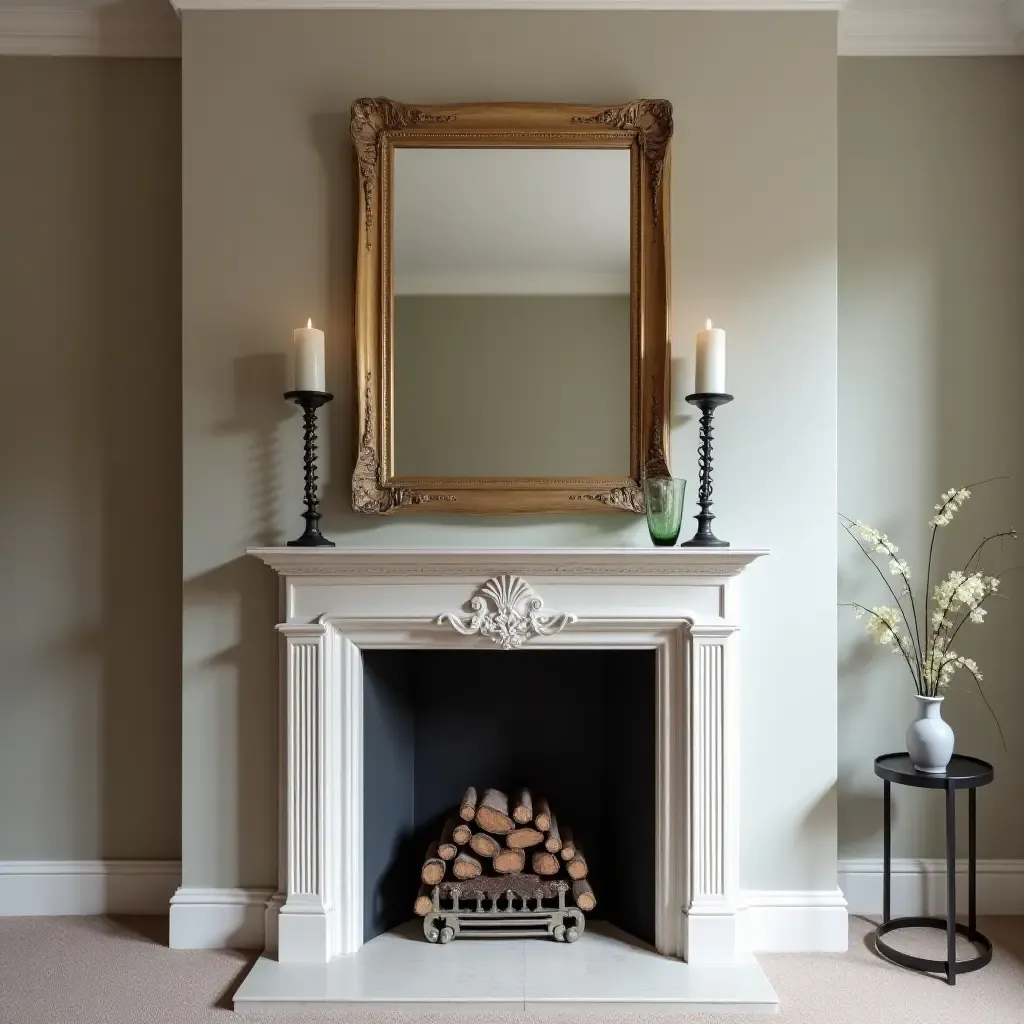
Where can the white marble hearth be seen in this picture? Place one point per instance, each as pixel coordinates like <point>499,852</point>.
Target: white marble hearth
<point>606,969</point>
<point>680,603</point>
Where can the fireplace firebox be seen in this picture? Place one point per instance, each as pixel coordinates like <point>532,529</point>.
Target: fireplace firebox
<point>576,728</point>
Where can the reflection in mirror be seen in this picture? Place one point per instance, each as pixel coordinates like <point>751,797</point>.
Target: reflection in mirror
<point>511,294</point>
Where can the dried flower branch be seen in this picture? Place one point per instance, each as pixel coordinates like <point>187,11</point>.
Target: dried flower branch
<point>948,604</point>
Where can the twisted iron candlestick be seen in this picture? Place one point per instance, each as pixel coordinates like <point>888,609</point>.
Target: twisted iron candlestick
<point>708,402</point>
<point>310,402</point>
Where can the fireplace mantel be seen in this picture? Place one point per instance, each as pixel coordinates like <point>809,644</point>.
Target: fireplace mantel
<point>680,602</point>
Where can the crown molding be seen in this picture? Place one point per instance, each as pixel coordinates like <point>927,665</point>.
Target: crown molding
<point>89,32</point>
<point>522,5</point>
<point>152,30</point>
<point>975,29</point>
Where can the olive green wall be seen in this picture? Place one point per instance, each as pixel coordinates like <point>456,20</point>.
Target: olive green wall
<point>931,365</point>
<point>90,524</point>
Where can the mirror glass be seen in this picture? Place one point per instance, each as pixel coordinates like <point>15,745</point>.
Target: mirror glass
<point>511,329</point>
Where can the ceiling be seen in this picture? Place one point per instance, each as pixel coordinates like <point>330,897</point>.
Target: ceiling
<point>149,28</point>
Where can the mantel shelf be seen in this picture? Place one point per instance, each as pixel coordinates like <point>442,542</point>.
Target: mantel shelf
<point>621,561</point>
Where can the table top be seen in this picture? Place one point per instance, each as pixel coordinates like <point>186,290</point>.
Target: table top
<point>962,772</point>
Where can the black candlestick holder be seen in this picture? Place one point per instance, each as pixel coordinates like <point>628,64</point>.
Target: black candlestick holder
<point>310,402</point>
<point>707,402</point>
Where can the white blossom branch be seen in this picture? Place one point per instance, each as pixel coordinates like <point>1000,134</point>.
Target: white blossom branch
<point>918,654</point>
<point>897,639</point>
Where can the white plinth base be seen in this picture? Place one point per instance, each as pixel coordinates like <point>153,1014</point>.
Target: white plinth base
<point>606,969</point>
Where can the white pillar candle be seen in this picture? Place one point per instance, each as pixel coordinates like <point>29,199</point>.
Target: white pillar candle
<point>310,369</point>
<point>710,373</point>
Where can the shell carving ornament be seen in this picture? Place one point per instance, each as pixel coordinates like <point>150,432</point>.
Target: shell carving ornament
<point>517,614</point>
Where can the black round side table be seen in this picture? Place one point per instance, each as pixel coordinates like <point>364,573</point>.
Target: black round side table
<point>968,773</point>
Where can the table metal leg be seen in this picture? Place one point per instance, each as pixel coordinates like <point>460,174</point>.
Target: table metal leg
<point>972,864</point>
<point>886,849</point>
<point>950,884</point>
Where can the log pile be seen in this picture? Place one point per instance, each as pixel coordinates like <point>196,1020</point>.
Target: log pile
<point>493,838</point>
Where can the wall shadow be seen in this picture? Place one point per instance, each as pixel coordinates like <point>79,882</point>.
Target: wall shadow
<point>859,804</point>
<point>330,137</point>
<point>245,675</point>
<point>148,20</point>
<point>258,410</point>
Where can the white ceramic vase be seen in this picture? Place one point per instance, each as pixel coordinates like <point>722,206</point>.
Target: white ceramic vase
<point>929,738</point>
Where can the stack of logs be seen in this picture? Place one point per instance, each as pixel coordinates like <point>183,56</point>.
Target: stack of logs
<point>493,836</point>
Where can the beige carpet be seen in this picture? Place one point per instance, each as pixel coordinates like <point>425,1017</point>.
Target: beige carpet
<point>88,969</point>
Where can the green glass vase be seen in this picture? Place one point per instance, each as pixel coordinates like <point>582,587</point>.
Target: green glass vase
<point>663,500</point>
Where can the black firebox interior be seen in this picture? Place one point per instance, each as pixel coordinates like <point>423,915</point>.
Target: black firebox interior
<point>576,726</point>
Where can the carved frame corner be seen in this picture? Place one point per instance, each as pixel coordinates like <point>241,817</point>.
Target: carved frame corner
<point>624,499</point>
<point>651,121</point>
<point>371,117</point>
<point>369,494</point>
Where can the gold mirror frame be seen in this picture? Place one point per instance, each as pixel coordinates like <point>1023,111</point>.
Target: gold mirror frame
<point>378,127</point>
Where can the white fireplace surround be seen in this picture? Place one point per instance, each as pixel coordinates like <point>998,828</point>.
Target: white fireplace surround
<point>680,602</point>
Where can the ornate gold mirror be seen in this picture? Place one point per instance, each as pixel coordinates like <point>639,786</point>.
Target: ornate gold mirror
<point>511,305</point>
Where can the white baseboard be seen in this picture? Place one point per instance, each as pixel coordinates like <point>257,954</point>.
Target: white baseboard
<point>210,918</point>
<point>48,887</point>
<point>919,886</point>
<point>219,918</point>
<point>783,921</point>
<point>793,921</point>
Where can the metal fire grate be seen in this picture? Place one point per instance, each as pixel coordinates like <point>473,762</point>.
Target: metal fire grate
<point>500,908</point>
